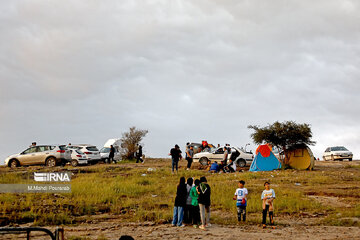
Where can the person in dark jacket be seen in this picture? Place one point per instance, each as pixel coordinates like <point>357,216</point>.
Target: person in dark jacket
<point>180,202</point>
<point>139,154</point>
<point>188,206</point>
<point>175,156</point>
<point>204,192</point>
<point>112,154</point>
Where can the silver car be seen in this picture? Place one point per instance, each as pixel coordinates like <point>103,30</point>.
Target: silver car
<point>49,155</point>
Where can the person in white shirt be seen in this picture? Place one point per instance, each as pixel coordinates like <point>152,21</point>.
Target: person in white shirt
<point>267,197</point>
<point>241,200</point>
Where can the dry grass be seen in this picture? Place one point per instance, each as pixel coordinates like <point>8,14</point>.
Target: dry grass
<point>123,192</point>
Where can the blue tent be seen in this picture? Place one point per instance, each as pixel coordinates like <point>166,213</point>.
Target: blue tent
<point>265,160</point>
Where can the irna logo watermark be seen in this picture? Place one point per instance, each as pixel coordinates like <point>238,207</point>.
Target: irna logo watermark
<point>52,177</point>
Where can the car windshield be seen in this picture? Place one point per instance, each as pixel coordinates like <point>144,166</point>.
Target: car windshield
<point>339,149</point>
<point>92,148</point>
<point>105,150</point>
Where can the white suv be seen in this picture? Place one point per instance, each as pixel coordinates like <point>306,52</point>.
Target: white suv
<point>337,153</point>
<point>91,152</point>
<point>240,157</point>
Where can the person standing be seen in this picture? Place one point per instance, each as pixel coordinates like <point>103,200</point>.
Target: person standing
<point>267,197</point>
<point>226,154</point>
<point>139,154</point>
<point>189,156</point>
<point>180,202</point>
<point>241,200</point>
<point>175,157</point>
<point>204,192</point>
<point>195,213</point>
<point>111,154</point>
<point>188,206</point>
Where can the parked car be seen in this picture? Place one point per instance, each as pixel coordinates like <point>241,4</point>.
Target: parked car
<point>105,151</point>
<point>49,155</point>
<point>240,157</point>
<point>77,158</point>
<point>337,153</point>
<point>91,152</point>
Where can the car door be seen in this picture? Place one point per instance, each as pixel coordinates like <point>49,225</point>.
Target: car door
<point>218,154</point>
<point>42,154</point>
<point>26,157</point>
<point>39,156</point>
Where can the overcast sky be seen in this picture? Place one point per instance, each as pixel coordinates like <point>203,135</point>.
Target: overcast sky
<point>86,71</point>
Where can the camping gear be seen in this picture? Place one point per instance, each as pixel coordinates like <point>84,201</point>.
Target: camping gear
<point>265,160</point>
<point>301,158</point>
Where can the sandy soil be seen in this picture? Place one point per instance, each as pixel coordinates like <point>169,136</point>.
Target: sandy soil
<point>113,230</point>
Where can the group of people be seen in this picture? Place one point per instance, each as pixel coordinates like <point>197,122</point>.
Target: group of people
<point>176,156</point>
<point>192,203</point>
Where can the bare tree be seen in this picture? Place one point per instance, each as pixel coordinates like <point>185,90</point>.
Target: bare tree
<point>130,140</point>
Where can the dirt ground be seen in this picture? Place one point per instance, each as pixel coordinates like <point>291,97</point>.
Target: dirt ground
<point>113,230</point>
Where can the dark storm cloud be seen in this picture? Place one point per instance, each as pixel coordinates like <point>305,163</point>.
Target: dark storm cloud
<point>184,70</point>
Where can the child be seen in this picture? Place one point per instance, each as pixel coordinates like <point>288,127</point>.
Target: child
<point>267,197</point>
<point>241,200</point>
<point>195,213</point>
<point>180,202</point>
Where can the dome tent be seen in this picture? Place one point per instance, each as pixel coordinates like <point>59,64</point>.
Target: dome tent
<point>301,157</point>
<point>265,160</point>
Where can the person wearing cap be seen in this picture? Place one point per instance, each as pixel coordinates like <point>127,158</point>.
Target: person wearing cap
<point>175,156</point>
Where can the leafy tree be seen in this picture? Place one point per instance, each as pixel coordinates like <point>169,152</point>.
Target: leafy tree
<point>286,136</point>
<point>130,140</point>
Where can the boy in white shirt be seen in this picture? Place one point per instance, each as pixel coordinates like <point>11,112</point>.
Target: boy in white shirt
<point>241,200</point>
<point>267,197</point>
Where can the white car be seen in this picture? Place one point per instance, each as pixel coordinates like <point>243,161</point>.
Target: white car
<point>337,153</point>
<point>240,157</point>
<point>91,152</point>
<point>105,152</point>
<point>77,158</point>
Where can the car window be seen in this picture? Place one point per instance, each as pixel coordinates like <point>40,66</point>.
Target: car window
<point>42,148</point>
<point>62,147</point>
<point>219,151</point>
<point>78,152</point>
<point>327,150</point>
<point>92,148</point>
<point>105,150</point>
<point>30,150</point>
<point>339,149</point>
<point>52,147</point>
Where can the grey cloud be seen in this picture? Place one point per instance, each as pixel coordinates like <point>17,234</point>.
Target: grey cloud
<point>185,70</point>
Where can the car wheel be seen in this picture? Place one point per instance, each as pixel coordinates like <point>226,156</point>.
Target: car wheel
<point>51,162</point>
<point>13,163</point>
<point>350,159</point>
<point>332,158</point>
<point>74,162</point>
<point>203,161</point>
<point>241,163</point>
